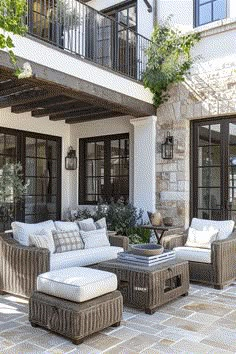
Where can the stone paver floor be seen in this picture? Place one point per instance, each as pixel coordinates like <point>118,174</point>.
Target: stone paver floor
<point>203,322</point>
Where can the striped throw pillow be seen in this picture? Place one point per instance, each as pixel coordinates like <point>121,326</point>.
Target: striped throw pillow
<point>43,240</point>
<point>66,241</point>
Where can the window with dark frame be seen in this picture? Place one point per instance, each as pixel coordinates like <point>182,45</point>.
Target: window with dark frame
<point>104,169</point>
<point>207,11</point>
<point>40,156</point>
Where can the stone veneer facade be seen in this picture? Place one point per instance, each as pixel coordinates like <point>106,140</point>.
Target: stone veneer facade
<point>209,92</point>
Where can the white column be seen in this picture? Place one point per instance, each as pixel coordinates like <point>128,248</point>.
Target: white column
<point>144,189</point>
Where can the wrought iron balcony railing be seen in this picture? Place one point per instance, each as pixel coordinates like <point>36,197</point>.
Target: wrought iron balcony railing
<point>79,29</point>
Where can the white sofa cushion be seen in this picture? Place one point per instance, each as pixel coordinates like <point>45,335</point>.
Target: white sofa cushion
<point>21,230</point>
<point>95,238</point>
<point>83,257</point>
<point>43,239</point>
<point>77,284</point>
<point>202,239</point>
<point>225,227</point>
<point>87,225</point>
<point>66,225</point>
<point>193,254</point>
<point>66,241</point>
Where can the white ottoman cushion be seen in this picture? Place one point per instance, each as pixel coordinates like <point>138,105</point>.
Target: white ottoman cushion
<point>77,284</point>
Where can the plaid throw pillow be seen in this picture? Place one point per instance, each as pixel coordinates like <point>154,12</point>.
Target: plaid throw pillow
<point>67,241</point>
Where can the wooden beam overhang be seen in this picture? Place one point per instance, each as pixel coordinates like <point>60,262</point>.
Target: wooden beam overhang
<point>63,97</point>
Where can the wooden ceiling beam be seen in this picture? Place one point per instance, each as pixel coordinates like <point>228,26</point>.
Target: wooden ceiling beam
<point>63,107</point>
<point>15,90</point>
<point>46,102</point>
<point>77,113</point>
<point>94,116</point>
<point>9,83</point>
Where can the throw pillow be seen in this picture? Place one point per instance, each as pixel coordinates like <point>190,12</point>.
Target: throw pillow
<point>201,239</point>
<point>43,240</point>
<point>66,225</point>
<point>87,225</point>
<point>101,224</point>
<point>21,230</point>
<point>67,241</point>
<point>96,238</point>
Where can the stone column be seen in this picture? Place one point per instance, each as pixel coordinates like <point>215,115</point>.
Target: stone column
<point>144,189</point>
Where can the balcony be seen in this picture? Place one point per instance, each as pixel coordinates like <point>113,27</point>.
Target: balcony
<point>87,33</point>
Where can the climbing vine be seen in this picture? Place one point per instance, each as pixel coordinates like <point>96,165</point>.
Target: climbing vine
<point>169,60</point>
<point>12,13</point>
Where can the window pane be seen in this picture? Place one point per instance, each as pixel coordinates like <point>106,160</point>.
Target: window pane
<point>232,133</point>
<point>124,167</point>
<point>42,168</point>
<point>90,152</point>
<point>209,177</point>
<point>205,14</point>
<point>215,134</point>
<point>203,135</point>
<point>219,9</point>
<point>30,167</point>
<point>124,147</point>
<point>30,148</point>
<point>41,148</point>
<point>115,167</point>
<point>209,198</point>
<point>100,150</point>
<point>10,145</point>
<point>51,149</point>
<point>115,148</point>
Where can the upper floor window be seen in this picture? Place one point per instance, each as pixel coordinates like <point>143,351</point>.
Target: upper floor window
<point>207,11</point>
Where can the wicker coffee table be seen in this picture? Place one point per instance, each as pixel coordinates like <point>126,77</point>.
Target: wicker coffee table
<point>148,287</point>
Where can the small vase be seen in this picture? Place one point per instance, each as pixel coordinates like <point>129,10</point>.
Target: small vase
<point>156,219</point>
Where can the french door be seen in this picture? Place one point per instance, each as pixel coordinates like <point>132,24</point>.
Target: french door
<point>213,169</point>
<point>40,156</point>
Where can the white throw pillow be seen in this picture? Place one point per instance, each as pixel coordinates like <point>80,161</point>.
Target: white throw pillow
<point>87,225</point>
<point>101,224</point>
<point>96,238</point>
<point>66,226</point>
<point>43,239</point>
<point>21,230</point>
<point>201,239</point>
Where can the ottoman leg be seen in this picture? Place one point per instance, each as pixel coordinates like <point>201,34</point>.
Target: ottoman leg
<point>77,341</point>
<point>117,324</point>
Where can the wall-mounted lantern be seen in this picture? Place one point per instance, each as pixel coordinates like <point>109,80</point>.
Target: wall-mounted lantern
<point>167,147</point>
<point>71,159</point>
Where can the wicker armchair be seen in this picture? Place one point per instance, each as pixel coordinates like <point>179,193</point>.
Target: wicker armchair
<point>222,269</point>
<point>20,265</point>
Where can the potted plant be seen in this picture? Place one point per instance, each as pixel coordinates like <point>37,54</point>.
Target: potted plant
<point>12,190</point>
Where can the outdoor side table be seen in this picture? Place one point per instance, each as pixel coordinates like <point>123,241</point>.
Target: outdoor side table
<point>148,287</point>
<point>159,230</point>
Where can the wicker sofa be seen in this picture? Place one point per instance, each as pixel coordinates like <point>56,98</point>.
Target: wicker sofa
<point>221,270</point>
<point>20,265</point>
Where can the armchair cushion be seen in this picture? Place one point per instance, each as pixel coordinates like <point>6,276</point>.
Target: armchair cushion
<point>87,225</point>
<point>225,227</point>
<point>201,239</point>
<point>95,238</point>
<point>43,239</point>
<point>193,254</point>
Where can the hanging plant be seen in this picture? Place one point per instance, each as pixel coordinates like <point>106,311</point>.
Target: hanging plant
<point>169,60</point>
<point>12,13</point>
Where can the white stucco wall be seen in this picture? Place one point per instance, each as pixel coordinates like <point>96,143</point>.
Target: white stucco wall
<point>182,12</point>
<point>25,122</point>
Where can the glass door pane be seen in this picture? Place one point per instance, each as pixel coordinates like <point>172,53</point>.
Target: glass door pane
<point>232,172</point>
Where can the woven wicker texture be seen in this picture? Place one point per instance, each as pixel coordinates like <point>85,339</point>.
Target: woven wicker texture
<point>222,270</point>
<point>75,320</point>
<point>20,265</point>
<point>146,287</point>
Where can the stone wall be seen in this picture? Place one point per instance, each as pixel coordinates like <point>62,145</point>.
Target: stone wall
<point>209,92</point>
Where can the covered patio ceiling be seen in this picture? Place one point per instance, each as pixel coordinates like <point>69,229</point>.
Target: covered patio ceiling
<point>64,97</point>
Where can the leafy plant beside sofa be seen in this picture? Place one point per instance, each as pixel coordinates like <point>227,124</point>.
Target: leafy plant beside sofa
<point>121,217</point>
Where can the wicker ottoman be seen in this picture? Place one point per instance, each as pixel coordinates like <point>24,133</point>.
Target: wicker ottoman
<point>76,302</point>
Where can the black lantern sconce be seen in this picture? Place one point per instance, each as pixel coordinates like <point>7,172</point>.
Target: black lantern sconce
<point>167,147</point>
<point>71,159</point>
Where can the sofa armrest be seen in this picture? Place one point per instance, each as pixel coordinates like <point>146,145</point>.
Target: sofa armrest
<point>20,265</point>
<point>223,255</point>
<point>119,241</point>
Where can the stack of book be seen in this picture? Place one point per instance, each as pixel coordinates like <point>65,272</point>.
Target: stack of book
<point>131,258</point>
